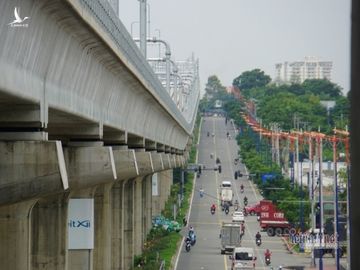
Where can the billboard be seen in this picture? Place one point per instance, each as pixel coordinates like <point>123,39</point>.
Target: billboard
<point>155,185</point>
<point>81,224</point>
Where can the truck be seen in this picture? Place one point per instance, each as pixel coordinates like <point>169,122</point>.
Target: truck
<point>226,195</point>
<point>230,235</point>
<point>272,220</point>
<point>253,209</point>
<point>243,258</point>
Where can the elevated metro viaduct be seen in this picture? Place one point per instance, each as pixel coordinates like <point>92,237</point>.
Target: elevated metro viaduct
<point>82,116</point>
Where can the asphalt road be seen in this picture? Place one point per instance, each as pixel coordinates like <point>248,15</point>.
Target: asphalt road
<point>205,254</point>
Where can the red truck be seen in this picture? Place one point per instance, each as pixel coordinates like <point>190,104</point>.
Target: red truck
<point>272,220</point>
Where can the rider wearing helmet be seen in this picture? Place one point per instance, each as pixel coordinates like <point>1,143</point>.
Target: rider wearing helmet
<point>258,235</point>
<point>267,253</point>
<point>242,187</point>
<point>213,206</point>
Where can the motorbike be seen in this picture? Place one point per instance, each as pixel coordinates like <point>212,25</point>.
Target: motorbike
<point>245,202</point>
<point>212,210</point>
<point>208,134</point>
<point>258,242</point>
<point>267,260</point>
<point>187,245</point>
<point>241,190</point>
<point>192,238</point>
<point>226,211</point>
<point>236,207</point>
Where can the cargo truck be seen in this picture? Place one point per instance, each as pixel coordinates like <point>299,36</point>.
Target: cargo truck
<point>226,195</point>
<point>272,220</point>
<point>230,235</point>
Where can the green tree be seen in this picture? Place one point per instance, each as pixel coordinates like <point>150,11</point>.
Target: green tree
<point>251,79</point>
<point>322,88</point>
<point>213,86</point>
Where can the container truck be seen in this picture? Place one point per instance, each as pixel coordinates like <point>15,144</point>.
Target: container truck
<point>272,220</point>
<point>230,236</point>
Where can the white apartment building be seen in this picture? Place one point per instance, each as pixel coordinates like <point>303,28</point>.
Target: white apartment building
<point>299,71</point>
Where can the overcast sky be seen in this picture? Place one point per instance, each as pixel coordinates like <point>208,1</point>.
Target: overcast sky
<point>232,36</point>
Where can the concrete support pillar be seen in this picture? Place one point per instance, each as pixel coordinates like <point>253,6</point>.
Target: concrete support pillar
<point>81,259</point>
<point>117,213</point>
<point>49,233</point>
<point>166,180</point>
<point>147,203</point>
<point>138,216</point>
<point>103,228</point>
<point>15,231</point>
<point>128,224</point>
<point>155,196</point>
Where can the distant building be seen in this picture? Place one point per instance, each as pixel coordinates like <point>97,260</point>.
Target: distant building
<point>299,71</point>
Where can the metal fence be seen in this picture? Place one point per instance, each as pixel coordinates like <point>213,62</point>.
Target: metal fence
<point>108,20</point>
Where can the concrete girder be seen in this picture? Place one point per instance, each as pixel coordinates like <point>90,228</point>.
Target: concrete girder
<point>166,161</point>
<point>157,161</point>
<point>79,70</point>
<point>112,136</point>
<point>144,163</point>
<point>125,163</point>
<point>135,141</point>
<point>150,145</point>
<point>30,169</point>
<point>80,131</point>
<point>160,147</point>
<point>173,161</point>
<point>89,166</point>
<point>20,116</point>
<point>167,149</point>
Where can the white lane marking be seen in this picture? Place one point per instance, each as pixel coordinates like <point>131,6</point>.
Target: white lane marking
<point>237,195</point>
<point>191,200</point>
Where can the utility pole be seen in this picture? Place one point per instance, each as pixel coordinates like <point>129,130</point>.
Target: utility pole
<point>336,207</point>
<point>311,195</point>
<point>319,139</point>
<point>143,27</point>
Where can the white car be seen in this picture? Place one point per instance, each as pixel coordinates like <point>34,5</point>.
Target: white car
<point>238,216</point>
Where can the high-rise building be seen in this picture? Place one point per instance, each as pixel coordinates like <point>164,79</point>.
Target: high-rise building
<point>299,71</point>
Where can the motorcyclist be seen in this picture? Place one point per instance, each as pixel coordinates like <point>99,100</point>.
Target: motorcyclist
<point>267,253</point>
<point>208,133</point>
<point>242,188</point>
<point>236,205</point>
<point>226,207</point>
<point>245,200</point>
<point>258,236</point>
<point>191,230</point>
<point>213,207</point>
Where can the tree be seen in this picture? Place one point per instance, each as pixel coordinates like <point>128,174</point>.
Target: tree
<point>213,86</point>
<point>251,79</point>
<point>323,88</point>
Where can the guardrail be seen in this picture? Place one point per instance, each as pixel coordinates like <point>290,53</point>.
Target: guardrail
<point>107,19</point>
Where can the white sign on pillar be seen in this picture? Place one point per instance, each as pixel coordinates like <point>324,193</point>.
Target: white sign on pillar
<point>81,224</point>
<point>155,186</point>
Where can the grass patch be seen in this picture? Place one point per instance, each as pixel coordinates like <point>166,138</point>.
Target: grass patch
<point>161,244</point>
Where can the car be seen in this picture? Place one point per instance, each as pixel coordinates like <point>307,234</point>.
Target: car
<point>238,216</point>
<point>242,258</point>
